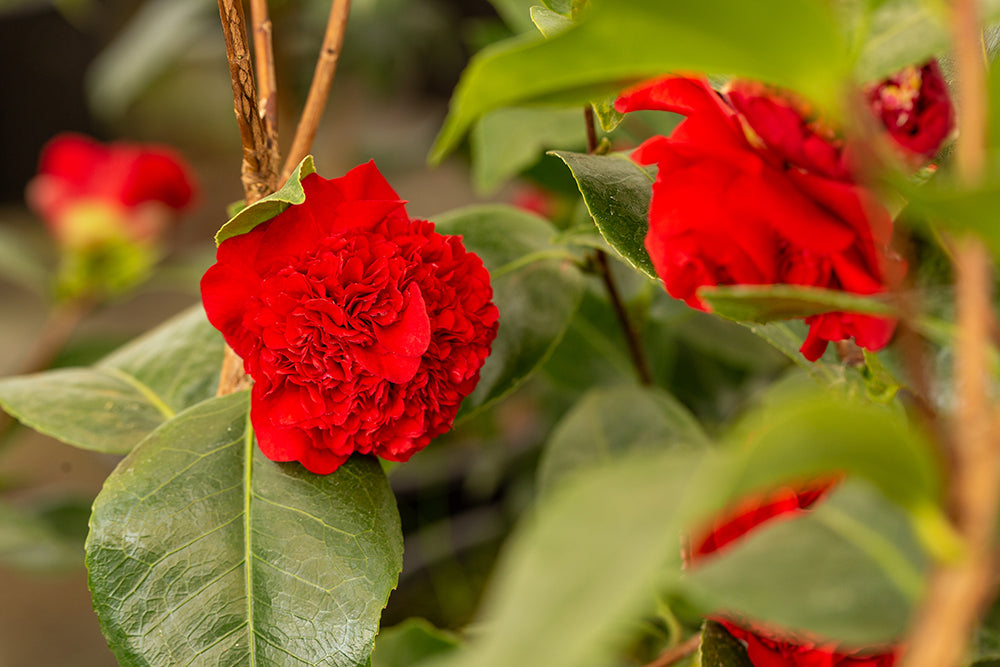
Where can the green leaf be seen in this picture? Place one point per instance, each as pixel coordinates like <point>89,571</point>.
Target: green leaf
<point>202,551</point>
<point>410,642</point>
<point>262,210</point>
<point>850,569</point>
<point>111,406</point>
<point>817,432</point>
<point>583,565</point>
<point>794,43</point>
<point>508,141</point>
<point>904,32</point>
<point>617,527</point>
<point>617,193</point>
<point>721,649</point>
<point>958,208</point>
<point>548,22</point>
<point>607,115</point>
<point>605,424</point>
<point>783,337</point>
<point>766,303</point>
<point>536,287</point>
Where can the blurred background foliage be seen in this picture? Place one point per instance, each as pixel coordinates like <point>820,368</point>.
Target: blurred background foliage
<point>155,71</point>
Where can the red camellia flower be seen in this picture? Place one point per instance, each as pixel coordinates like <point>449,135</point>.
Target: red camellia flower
<point>915,108</point>
<point>767,647</point>
<point>87,191</point>
<point>728,209</point>
<point>362,328</point>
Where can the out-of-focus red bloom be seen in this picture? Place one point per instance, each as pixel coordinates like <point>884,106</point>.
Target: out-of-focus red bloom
<point>362,328</point>
<point>87,192</point>
<point>767,647</point>
<point>915,108</point>
<point>727,209</point>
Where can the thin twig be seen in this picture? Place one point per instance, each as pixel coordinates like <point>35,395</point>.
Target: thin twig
<point>319,90</point>
<point>959,591</point>
<point>677,653</point>
<point>267,87</point>
<point>635,348</point>
<point>260,158</point>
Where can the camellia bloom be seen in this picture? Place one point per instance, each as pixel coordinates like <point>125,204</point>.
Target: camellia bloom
<point>729,210</point>
<point>363,329</point>
<point>915,108</point>
<point>88,192</point>
<point>767,647</point>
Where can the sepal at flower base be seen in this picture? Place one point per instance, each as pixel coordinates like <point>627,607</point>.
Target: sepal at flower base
<point>244,218</point>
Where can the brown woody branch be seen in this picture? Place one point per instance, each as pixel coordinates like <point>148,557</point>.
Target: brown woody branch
<point>959,591</point>
<point>260,152</point>
<point>319,90</point>
<point>267,89</point>
<point>259,169</point>
<point>677,653</point>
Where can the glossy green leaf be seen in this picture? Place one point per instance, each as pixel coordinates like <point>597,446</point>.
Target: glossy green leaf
<point>508,141</point>
<point>766,303</point>
<point>262,210</point>
<point>721,649</point>
<point>606,424</point>
<point>817,432</point>
<point>410,642</point>
<point>617,193</point>
<point>536,287</point>
<point>784,338</point>
<point>111,406</point>
<point>904,32</point>
<point>794,43</point>
<point>610,527</point>
<point>850,569</point>
<point>202,551</point>
<point>617,528</point>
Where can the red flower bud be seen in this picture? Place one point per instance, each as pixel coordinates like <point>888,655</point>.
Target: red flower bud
<point>915,108</point>
<point>87,192</point>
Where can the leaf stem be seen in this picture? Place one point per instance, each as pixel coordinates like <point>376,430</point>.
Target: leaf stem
<point>677,653</point>
<point>635,349</point>
<point>631,335</point>
<point>959,590</point>
<point>319,90</point>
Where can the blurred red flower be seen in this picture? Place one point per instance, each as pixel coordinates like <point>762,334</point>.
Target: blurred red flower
<point>87,192</point>
<point>728,210</point>
<point>767,647</point>
<point>362,328</point>
<point>915,108</point>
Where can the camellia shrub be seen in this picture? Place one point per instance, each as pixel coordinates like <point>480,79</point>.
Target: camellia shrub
<point>793,197</point>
